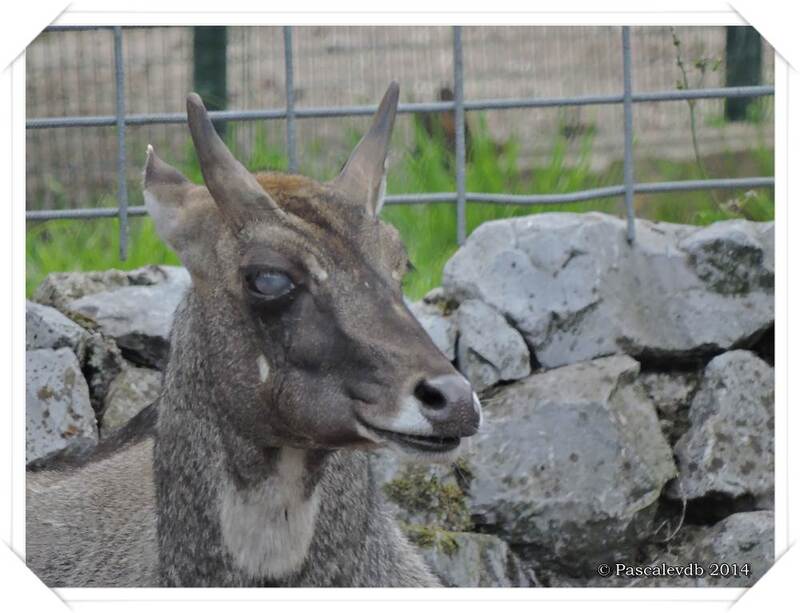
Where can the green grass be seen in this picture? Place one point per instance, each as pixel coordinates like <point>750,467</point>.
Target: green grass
<point>429,230</point>
<point>92,244</point>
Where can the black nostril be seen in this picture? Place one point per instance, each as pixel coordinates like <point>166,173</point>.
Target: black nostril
<point>429,395</point>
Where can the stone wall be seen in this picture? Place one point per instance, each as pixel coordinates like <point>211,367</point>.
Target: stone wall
<point>628,395</point>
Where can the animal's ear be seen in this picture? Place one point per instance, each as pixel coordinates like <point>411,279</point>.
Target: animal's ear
<point>363,178</point>
<point>184,214</point>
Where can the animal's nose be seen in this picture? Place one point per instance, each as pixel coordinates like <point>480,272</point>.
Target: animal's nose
<point>450,404</point>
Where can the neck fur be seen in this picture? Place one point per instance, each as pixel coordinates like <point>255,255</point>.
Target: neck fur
<point>267,527</point>
<point>239,504</point>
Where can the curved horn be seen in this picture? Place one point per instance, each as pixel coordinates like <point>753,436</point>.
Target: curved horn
<point>235,190</point>
<point>362,178</point>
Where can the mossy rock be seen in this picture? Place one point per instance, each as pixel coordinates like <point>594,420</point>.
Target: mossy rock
<point>469,559</point>
<point>427,537</point>
<point>433,498</point>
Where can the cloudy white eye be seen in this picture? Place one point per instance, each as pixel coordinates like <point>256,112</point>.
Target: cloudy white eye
<point>269,284</point>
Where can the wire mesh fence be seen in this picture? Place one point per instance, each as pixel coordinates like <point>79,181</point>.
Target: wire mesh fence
<point>274,75</point>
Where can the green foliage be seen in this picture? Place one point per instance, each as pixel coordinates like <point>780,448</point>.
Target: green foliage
<point>429,230</point>
<point>89,244</point>
<point>442,500</point>
<point>266,153</point>
<point>430,538</point>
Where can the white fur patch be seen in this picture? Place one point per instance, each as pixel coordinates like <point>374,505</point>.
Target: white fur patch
<point>164,217</point>
<point>319,273</point>
<point>268,529</point>
<point>263,368</point>
<point>409,419</point>
<point>381,193</point>
<point>476,403</point>
<point>367,434</point>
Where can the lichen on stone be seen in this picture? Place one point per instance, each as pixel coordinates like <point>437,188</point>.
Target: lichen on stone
<point>431,537</point>
<point>463,473</point>
<point>84,321</point>
<point>440,501</point>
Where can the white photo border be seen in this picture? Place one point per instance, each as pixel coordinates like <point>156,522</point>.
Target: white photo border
<point>12,135</point>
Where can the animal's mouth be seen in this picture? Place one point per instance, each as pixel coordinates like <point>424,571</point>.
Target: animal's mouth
<point>415,442</point>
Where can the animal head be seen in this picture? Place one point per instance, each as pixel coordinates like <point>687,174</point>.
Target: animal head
<point>299,285</point>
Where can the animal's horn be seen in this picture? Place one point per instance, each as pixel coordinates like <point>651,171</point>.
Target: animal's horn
<point>362,178</point>
<point>235,190</point>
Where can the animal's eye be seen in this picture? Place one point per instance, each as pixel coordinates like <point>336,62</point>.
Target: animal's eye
<point>268,284</point>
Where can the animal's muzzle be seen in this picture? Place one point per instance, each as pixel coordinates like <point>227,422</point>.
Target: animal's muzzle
<point>449,404</point>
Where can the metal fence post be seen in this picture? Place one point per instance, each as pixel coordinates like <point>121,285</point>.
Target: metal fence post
<point>288,57</point>
<point>627,106</point>
<point>461,154</point>
<point>458,107</point>
<point>122,184</point>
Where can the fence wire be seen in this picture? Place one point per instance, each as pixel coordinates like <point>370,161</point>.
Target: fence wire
<point>459,106</point>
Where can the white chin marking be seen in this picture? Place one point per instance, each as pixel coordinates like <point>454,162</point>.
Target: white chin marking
<point>409,420</point>
<point>367,434</point>
<point>263,368</point>
<point>268,529</point>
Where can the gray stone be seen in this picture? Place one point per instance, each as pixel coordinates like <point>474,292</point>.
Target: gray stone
<point>429,495</point>
<point>58,411</point>
<point>439,327</point>
<point>47,328</point>
<point>132,390</point>
<point>60,288</point>
<point>100,358</point>
<point>468,559</point>
<point>741,538</point>
<point>489,349</point>
<point>429,501</point>
<point>138,317</point>
<point>435,296</point>
<point>576,289</point>
<point>734,552</point>
<point>672,393</point>
<point>570,463</point>
<point>729,447</point>
<point>730,257</point>
<point>101,362</point>
<point>153,275</point>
